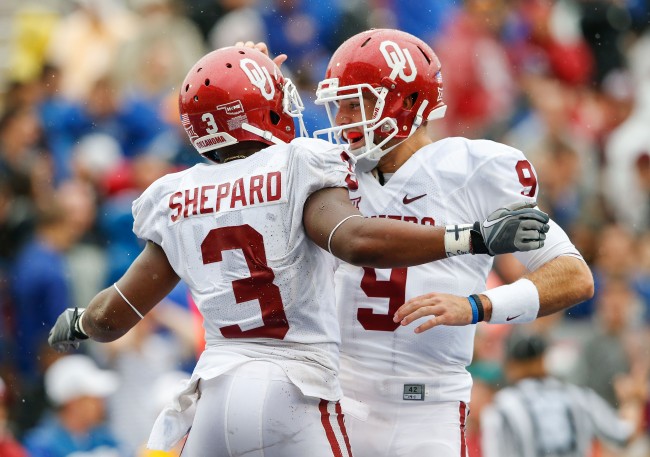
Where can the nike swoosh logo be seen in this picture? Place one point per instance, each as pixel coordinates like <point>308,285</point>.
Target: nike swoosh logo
<point>406,200</point>
<point>509,318</point>
<point>495,221</point>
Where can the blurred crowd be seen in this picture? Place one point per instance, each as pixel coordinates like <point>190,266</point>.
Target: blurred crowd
<point>88,119</point>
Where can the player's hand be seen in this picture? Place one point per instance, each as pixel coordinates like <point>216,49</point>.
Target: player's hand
<point>65,335</point>
<point>264,49</point>
<point>515,227</point>
<point>444,309</point>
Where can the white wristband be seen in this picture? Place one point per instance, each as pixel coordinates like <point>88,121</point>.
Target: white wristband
<point>458,239</point>
<point>80,327</point>
<point>515,303</point>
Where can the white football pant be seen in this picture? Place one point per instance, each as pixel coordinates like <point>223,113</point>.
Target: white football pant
<point>396,427</point>
<point>256,411</point>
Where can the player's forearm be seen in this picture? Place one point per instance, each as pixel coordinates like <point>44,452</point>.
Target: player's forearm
<point>337,226</point>
<point>100,323</point>
<point>384,243</point>
<point>116,309</point>
<point>563,282</point>
<point>559,284</point>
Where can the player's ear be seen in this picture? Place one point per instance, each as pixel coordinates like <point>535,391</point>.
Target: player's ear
<point>409,101</point>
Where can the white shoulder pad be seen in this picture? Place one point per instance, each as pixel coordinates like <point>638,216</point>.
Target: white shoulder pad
<point>146,223</point>
<point>331,162</point>
<point>502,175</point>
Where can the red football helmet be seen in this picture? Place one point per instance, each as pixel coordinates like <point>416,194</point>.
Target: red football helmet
<point>393,66</point>
<point>237,94</point>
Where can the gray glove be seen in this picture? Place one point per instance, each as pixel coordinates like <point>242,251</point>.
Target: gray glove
<point>65,334</point>
<point>516,227</point>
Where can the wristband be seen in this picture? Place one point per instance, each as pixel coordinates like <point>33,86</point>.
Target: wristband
<point>80,327</point>
<point>458,239</point>
<point>77,329</point>
<point>479,307</point>
<point>472,303</point>
<point>514,303</point>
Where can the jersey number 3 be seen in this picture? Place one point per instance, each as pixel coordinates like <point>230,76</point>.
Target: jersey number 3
<point>259,286</point>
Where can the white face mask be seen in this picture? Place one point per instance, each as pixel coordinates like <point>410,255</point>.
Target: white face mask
<point>292,105</point>
<point>329,95</point>
<point>367,162</point>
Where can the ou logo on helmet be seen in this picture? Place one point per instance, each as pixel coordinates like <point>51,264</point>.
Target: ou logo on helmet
<point>399,60</point>
<point>259,77</point>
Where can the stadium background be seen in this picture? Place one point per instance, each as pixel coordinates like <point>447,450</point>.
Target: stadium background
<point>88,119</point>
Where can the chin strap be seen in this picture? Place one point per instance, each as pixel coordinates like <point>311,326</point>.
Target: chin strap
<point>268,136</point>
<point>418,117</point>
<point>437,113</point>
<point>368,163</point>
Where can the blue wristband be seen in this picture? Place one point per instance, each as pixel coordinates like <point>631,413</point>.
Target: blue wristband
<point>472,302</point>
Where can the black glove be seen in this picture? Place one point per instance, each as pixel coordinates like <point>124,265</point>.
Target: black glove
<point>516,227</point>
<point>65,334</point>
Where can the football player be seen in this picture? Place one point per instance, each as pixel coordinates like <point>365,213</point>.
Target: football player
<point>250,238</point>
<point>380,90</point>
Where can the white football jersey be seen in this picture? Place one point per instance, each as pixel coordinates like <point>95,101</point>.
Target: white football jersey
<point>454,180</point>
<point>234,233</point>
